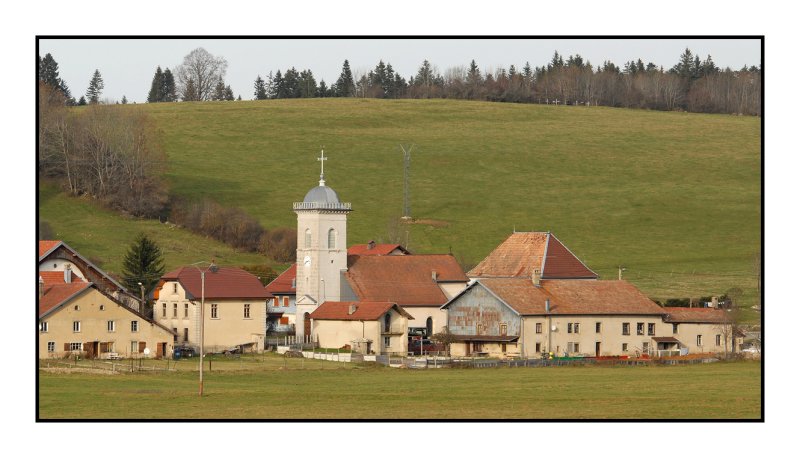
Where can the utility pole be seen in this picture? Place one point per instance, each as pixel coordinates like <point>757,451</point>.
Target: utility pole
<point>406,188</point>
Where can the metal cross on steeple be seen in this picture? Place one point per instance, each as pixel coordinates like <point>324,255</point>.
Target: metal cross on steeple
<point>322,160</point>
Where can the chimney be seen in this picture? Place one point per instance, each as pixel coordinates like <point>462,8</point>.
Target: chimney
<point>41,287</point>
<point>537,277</point>
<point>547,305</point>
<point>67,274</point>
<point>715,302</point>
<point>371,245</point>
<point>352,309</point>
<point>434,276</point>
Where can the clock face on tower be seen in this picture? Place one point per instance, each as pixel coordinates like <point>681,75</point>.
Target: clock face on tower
<point>307,261</point>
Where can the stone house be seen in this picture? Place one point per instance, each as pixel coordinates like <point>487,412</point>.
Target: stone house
<point>366,327</point>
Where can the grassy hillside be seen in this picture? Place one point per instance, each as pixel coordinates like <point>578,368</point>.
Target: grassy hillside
<point>674,197</point>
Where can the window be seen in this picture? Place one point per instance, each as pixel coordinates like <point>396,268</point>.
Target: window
<point>538,328</point>
<point>597,327</point>
<point>294,283</point>
<point>646,347</point>
<point>286,301</point>
<point>573,347</point>
<point>387,322</point>
<point>651,329</point>
<point>175,334</point>
<point>214,311</point>
<point>308,238</point>
<point>331,239</point>
<point>174,310</point>
<point>699,340</point>
<point>275,301</point>
<point>503,330</point>
<point>626,329</point>
<point>43,326</point>
<point>639,329</point>
<point>175,288</point>
<point>186,310</point>
<point>674,328</point>
<point>577,328</point>
<point>76,326</point>
<point>75,346</point>
<point>134,346</point>
<point>538,347</point>
<point>185,334</point>
<point>51,347</point>
<point>77,307</point>
<point>479,328</point>
<point>163,310</point>
<point>102,307</point>
<point>387,341</point>
<point>719,340</point>
<point>569,328</point>
<point>247,310</point>
<point>624,347</point>
<point>110,325</point>
<point>134,326</point>
<point>284,320</point>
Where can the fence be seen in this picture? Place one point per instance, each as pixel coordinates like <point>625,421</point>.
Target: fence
<point>475,362</point>
<point>131,365</point>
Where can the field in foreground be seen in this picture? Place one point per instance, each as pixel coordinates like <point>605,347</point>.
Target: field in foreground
<point>262,388</point>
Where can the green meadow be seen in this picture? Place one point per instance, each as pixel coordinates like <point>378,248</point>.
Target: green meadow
<point>674,197</point>
<point>270,387</point>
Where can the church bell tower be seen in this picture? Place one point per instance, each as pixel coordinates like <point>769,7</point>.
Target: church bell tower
<point>321,249</point>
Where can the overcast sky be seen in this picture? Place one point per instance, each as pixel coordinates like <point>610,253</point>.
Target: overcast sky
<point>127,65</point>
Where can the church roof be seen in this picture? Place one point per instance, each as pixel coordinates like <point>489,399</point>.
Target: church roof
<point>522,252</point>
<point>322,195</point>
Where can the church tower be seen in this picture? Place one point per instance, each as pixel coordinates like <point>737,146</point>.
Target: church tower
<point>321,249</point>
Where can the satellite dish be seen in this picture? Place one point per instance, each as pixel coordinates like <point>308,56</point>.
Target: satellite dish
<point>146,351</point>
<point>553,327</point>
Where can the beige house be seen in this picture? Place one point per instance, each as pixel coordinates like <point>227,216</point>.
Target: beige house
<point>235,312</point>
<point>366,327</point>
<point>506,317</point>
<point>78,318</point>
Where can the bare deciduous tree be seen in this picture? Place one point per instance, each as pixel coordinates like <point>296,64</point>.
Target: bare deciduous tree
<point>204,70</point>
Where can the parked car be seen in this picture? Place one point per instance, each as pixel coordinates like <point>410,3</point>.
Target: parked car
<point>183,352</point>
<point>423,346</point>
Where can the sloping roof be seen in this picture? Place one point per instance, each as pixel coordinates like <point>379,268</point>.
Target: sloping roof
<point>522,252</point>
<point>571,297</point>
<point>695,315</point>
<point>57,277</point>
<point>367,311</point>
<point>285,282</point>
<point>56,294</point>
<point>380,249</point>
<point>224,283</point>
<point>46,245</point>
<point>406,280</point>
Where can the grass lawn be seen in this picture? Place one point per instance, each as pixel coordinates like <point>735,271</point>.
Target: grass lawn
<point>271,387</point>
<point>674,197</point>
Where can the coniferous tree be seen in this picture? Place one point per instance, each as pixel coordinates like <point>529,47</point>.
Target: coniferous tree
<point>219,91</point>
<point>322,90</point>
<point>143,263</point>
<point>156,87</point>
<point>260,89</point>
<point>345,86</point>
<point>275,85</point>
<point>291,87</point>
<point>82,101</point>
<point>239,98</point>
<point>306,84</point>
<point>48,72</point>
<point>190,91</point>
<point>124,100</point>
<point>229,93</point>
<point>95,89</point>
<point>169,93</point>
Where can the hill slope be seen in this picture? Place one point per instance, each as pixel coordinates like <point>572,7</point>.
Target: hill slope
<point>674,197</point>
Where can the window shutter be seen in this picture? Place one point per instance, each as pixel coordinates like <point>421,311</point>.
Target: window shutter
<point>142,346</point>
<point>66,346</point>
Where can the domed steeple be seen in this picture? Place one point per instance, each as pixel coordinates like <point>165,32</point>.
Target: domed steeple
<point>322,197</point>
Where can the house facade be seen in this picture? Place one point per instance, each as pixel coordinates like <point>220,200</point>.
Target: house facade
<point>234,312</point>
<point>79,318</point>
<point>366,327</point>
<point>281,309</point>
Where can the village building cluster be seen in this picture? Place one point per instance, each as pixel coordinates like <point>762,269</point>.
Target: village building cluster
<point>530,296</point>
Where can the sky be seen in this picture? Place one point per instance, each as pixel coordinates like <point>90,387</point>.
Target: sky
<point>128,65</point>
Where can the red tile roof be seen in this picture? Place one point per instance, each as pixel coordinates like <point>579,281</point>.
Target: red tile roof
<point>225,283</point>
<point>285,282</point>
<point>367,311</point>
<point>56,294</point>
<point>47,245</point>
<point>406,280</point>
<point>57,277</point>
<point>695,315</point>
<point>572,297</point>
<point>380,249</point>
<point>522,252</point>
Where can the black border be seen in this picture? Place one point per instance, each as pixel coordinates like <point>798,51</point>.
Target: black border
<point>406,37</point>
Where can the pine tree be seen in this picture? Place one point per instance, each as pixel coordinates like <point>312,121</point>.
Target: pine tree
<point>276,86</point>
<point>190,91</point>
<point>219,91</point>
<point>474,74</point>
<point>684,67</point>
<point>291,87</point>
<point>345,86</point>
<point>143,263</point>
<point>260,89</point>
<point>124,100</point>
<point>307,84</point>
<point>229,93</point>
<point>48,73</point>
<point>156,87</point>
<point>168,90</point>
<point>322,90</point>
<point>95,89</point>
<point>239,98</point>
